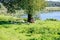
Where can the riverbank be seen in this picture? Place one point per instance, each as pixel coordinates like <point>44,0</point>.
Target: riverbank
<point>52,9</point>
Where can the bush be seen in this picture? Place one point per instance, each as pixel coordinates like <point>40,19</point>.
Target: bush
<point>52,19</point>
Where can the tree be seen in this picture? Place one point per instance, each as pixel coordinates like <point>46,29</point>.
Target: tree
<point>31,6</point>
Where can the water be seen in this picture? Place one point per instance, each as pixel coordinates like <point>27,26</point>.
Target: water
<point>47,15</point>
<point>54,15</point>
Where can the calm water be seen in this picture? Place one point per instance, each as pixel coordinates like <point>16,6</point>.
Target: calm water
<point>54,15</point>
<point>45,15</point>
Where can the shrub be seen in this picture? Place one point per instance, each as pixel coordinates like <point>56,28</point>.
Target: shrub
<point>52,19</point>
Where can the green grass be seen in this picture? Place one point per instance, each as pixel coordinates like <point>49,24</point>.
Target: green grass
<point>41,30</point>
<point>8,18</point>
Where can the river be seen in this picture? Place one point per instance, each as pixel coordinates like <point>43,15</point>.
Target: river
<point>47,15</point>
<point>54,15</point>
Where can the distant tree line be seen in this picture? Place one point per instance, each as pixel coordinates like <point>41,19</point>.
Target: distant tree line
<point>53,4</point>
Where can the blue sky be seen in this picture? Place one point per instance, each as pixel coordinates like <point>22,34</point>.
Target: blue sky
<point>54,0</point>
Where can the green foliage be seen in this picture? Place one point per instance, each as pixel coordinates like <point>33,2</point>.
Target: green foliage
<point>41,30</point>
<point>25,19</point>
<point>32,4</point>
<point>51,19</point>
<point>29,5</point>
<point>8,19</point>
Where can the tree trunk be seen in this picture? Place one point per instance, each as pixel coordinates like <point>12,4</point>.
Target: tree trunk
<point>30,18</point>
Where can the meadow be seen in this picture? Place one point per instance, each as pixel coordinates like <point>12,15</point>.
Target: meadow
<point>40,30</point>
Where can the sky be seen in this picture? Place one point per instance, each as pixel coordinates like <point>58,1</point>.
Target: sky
<point>54,0</point>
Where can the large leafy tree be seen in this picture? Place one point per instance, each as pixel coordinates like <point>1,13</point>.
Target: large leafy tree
<point>31,6</point>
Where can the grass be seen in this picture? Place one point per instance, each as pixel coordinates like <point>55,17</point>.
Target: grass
<point>41,30</point>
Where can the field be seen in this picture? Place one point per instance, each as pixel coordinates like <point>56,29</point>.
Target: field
<point>40,30</point>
